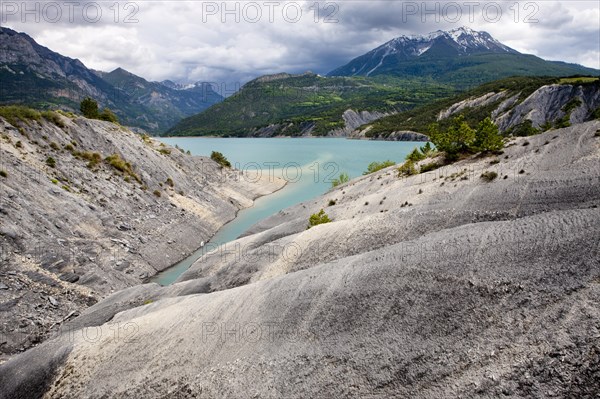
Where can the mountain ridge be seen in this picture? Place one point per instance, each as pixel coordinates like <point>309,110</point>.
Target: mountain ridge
<point>35,75</point>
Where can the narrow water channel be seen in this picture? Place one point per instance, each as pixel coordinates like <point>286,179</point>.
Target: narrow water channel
<point>308,164</point>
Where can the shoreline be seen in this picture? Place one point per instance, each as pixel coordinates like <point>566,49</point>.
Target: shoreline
<point>150,279</point>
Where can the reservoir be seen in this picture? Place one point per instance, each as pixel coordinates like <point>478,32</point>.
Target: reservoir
<point>307,164</point>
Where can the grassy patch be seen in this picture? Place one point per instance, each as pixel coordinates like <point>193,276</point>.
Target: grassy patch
<point>53,117</point>
<point>122,166</point>
<point>15,113</point>
<point>428,167</point>
<point>407,169</point>
<point>93,158</point>
<point>377,166</point>
<point>578,80</point>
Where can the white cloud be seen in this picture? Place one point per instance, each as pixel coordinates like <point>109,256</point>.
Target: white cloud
<point>187,40</point>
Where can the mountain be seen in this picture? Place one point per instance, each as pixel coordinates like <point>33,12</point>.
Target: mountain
<point>285,104</point>
<point>37,76</point>
<point>168,104</point>
<point>461,57</point>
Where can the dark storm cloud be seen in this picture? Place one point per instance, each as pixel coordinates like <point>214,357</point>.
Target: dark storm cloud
<point>237,41</point>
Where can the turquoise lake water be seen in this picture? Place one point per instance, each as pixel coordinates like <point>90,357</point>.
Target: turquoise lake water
<point>307,164</point>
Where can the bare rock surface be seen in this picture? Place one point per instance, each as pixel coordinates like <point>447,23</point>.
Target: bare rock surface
<point>76,226</point>
<point>432,286</point>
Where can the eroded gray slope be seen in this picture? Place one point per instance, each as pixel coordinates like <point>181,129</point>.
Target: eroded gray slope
<point>495,303</point>
<point>71,233</point>
<point>491,289</point>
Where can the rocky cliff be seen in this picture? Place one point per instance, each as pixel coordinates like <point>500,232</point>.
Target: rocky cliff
<point>546,106</point>
<point>442,284</point>
<point>88,208</point>
<point>353,119</point>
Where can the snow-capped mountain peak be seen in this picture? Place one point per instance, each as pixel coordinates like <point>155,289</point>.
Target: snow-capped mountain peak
<point>462,41</point>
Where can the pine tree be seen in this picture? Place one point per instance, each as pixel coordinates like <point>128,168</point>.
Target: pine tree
<point>89,108</point>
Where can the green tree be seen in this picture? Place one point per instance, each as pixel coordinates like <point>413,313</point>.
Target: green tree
<point>487,137</point>
<point>415,156</point>
<point>344,178</point>
<point>426,149</point>
<point>220,159</point>
<point>108,115</point>
<point>457,139</point>
<point>89,108</point>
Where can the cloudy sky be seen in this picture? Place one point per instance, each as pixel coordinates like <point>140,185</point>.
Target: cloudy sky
<point>234,41</point>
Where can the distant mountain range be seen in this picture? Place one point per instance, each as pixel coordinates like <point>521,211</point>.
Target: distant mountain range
<point>461,57</point>
<point>403,73</point>
<point>37,76</point>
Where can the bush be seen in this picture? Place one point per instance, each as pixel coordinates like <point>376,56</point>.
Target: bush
<point>318,218</point>
<point>19,144</point>
<point>377,166</point>
<point>122,166</point>
<point>220,159</point>
<point>429,167</point>
<point>54,118</point>
<point>93,158</point>
<point>108,115</point>
<point>157,193</point>
<point>54,146</point>
<point>89,108</point>
<point>331,203</point>
<point>164,151</point>
<point>343,178</point>
<point>407,169</point>
<point>489,176</point>
<point>427,150</point>
<point>51,162</point>
<point>3,173</point>
<point>14,113</point>
<point>416,155</point>
<point>169,182</point>
<point>524,129</point>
